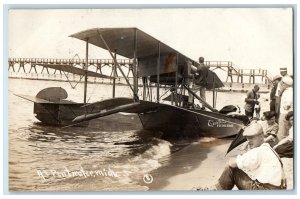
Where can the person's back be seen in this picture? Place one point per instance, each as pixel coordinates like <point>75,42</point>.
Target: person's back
<point>201,78</point>
<point>201,75</point>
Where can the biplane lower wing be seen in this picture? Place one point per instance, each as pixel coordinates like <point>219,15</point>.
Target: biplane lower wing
<point>115,105</point>
<point>143,106</point>
<point>169,119</point>
<point>75,70</point>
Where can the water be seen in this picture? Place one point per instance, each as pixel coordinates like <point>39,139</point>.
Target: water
<point>113,153</point>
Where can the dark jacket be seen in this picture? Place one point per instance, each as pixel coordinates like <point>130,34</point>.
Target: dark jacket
<point>201,78</point>
<point>273,92</point>
<point>250,101</point>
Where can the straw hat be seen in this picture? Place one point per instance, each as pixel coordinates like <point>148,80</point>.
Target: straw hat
<point>252,130</point>
<point>276,77</point>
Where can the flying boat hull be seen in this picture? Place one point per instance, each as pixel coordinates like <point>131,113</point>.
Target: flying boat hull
<point>190,123</point>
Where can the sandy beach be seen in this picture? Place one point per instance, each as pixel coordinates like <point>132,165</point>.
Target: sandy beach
<point>207,172</point>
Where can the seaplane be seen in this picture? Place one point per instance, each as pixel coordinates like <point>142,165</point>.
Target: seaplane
<point>157,66</point>
<point>156,63</point>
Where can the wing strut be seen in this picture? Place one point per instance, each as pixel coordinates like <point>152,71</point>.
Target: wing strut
<point>136,98</point>
<point>103,113</point>
<point>201,100</point>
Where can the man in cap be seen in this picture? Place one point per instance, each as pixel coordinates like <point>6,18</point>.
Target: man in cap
<point>251,100</point>
<point>286,105</point>
<point>275,82</point>
<point>260,168</point>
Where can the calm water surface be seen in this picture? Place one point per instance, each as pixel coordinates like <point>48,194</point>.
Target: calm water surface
<point>112,153</point>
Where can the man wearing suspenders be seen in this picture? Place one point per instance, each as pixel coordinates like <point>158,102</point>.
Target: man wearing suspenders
<point>260,168</point>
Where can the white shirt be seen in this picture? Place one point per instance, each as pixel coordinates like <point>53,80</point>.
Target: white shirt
<point>291,134</point>
<point>286,103</point>
<point>261,164</point>
<point>277,89</point>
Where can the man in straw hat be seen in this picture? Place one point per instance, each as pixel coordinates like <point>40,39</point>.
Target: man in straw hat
<point>260,168</point>
<point>283,73</point>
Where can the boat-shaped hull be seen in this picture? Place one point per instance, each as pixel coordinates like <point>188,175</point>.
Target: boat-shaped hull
<point>190,123</point>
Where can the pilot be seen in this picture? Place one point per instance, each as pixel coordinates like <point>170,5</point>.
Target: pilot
<point>201,75</point>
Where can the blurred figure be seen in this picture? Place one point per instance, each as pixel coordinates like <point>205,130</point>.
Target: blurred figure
<point>275,82</point>
<point>278,93</point>
<point>286,105</point>
<point>257,107</point>
<point>251,100</point>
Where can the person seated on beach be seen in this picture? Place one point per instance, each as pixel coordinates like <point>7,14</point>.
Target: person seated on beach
<point>270,127</point>
<point>251,100</point>
<point>285,148</point>
<point>260,168</point>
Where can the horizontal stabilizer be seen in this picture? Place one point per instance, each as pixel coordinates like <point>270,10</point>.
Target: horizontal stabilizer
<point>105,112</point>
<point>75,70</point>
<point>33,99</point>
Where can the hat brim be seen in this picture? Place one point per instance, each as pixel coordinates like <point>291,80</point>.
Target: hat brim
<point>277,78</point>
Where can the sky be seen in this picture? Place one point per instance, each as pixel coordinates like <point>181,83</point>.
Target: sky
<point>249,37</point>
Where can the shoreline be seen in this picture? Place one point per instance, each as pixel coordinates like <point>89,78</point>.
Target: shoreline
<point>205,174</point>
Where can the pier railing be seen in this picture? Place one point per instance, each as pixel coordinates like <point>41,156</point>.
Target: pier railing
<point>28,68</point>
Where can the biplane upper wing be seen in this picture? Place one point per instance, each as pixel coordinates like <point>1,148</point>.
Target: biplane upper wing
<point>75,70</point>
<point>146,50</point>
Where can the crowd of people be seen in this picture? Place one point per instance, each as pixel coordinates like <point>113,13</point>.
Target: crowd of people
<point>276,122</point>
<point>269,138</point>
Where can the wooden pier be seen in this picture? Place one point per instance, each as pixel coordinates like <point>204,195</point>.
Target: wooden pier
<point>31,68</point>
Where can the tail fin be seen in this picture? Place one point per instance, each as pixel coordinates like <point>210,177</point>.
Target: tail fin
<point>52,94</point>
